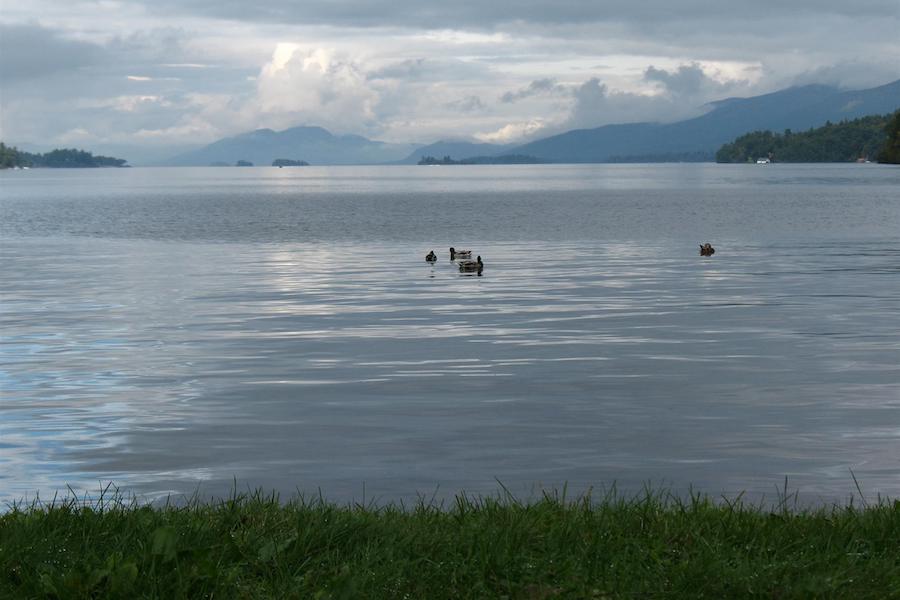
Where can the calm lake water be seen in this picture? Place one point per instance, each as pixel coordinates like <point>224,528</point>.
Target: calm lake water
<point>171,330</point>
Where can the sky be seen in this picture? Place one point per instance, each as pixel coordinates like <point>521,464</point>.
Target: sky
<point>150,78</point>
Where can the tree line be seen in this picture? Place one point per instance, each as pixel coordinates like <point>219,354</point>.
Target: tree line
<point>867,138</point>
<point>11,157</point>
<point>506,159</point>
<point>890,153</point>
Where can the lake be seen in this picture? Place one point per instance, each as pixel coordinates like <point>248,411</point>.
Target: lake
<point>176,330</point>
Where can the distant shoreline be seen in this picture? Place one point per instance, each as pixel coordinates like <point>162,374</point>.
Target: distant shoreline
<point>543,164</point>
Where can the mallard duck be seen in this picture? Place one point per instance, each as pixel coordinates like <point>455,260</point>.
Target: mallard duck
<point>454,254</point>
<point>707,249</point>
<point>468,266</point>
<point>431,257</point>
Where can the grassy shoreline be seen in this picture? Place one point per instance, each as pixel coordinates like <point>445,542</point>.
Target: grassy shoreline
<point>256,546</point>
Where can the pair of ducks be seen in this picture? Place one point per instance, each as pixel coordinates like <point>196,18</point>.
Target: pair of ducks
<point>467,265</point>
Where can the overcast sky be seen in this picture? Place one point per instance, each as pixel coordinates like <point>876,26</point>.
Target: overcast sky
<point>167,74</point>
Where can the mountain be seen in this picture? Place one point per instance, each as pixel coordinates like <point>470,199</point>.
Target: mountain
<point>454,149</point>
<point>797,108</point>
<point>315,145</point>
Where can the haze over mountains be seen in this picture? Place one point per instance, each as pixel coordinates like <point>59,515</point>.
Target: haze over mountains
<point>312,144</point>
<point>794,108</point>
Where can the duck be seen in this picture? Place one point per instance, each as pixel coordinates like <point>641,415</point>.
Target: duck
<point>454,254</point>
<point>707,249</point>
<point>469,266</point>
<point>431,257</point>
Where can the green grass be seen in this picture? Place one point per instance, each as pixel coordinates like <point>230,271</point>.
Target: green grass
<point>255,546</point>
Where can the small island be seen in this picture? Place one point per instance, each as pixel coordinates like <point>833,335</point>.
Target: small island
<point>243,163</point>
<point>66,158</point>
<point>697,156</point>
<point>506,159</point>
<point>288,162</point>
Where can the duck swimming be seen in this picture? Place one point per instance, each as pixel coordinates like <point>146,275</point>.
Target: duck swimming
<point>454,254</point>
<point>431,257</point>
<point>707,249</point>
<point>471,266</point>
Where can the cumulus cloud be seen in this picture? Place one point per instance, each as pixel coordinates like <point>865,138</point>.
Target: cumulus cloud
<point>677,93</point>
<point>693,81</point>
<point>595,104</point>
<point>687,79</point>
<point>315,86</point>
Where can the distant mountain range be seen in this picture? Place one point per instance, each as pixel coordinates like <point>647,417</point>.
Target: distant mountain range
<point>312,144</point>
<point>796,108</point>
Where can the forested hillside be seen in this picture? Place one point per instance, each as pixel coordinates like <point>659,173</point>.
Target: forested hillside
<point>890,152</point>
<point>11,157</point>
<point>834,142</point>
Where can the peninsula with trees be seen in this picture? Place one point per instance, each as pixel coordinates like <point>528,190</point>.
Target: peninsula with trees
<point>859,140</point>
<point>11,158</point>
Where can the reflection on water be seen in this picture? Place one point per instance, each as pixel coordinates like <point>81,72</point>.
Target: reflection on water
<point>165,363</point>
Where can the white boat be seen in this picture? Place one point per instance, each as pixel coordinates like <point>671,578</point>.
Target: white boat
<point>763,161</point>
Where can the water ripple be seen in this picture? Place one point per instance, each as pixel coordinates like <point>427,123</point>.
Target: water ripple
<point>164,362</point>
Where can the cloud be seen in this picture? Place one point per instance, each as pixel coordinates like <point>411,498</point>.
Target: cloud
<point>315,86</point>
<point>191,71</point>
<point>676,93</point>
<point>133,104</point>
<point>75,136</point>
<point>686,80</point>
<point>147,78</point>
<point>596,105</point>
<point>413,68</point>
<point>512,132</point>
<point>30,52</point>
<point>546,86</point>
<point>467,104</point>
<point>185,65</point>
<point>850,74</point>
<point>479,15</point>
<point>430,70</point>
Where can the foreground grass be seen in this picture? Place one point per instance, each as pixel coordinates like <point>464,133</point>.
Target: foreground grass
<point>254,546</point>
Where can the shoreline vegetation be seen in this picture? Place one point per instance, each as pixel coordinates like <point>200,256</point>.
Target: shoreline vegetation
<point>11,158</point>
<point>256,546</point>
<point>890,152</point>
<point>866,139</point>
